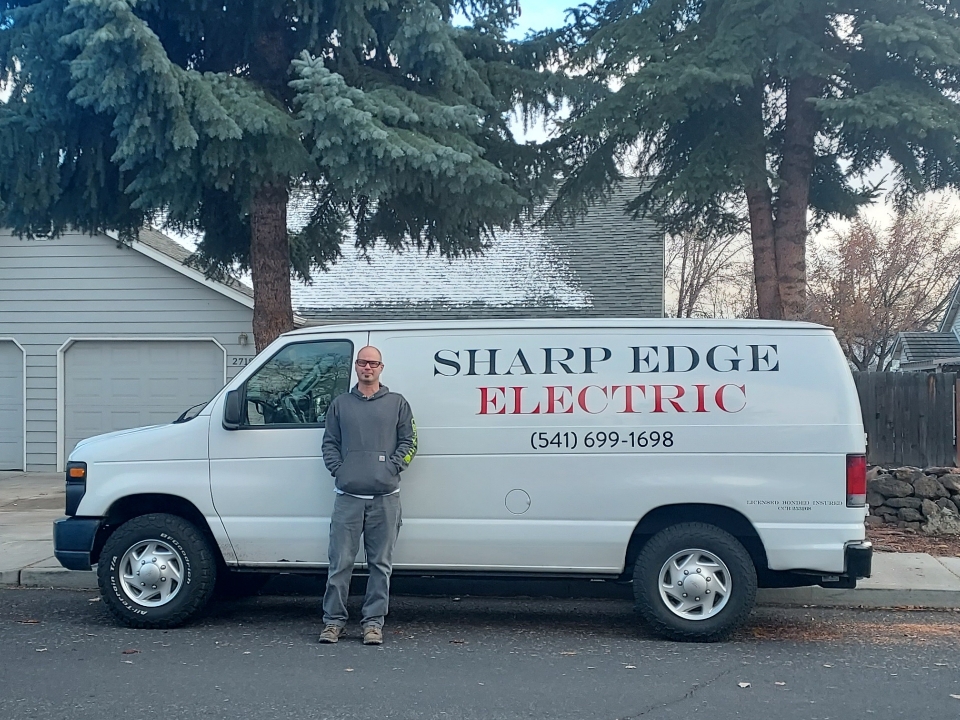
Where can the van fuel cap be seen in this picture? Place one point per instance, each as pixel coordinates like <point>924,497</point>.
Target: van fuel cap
<point>517,502</point>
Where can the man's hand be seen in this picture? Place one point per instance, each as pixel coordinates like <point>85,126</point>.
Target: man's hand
<point>406,438</point>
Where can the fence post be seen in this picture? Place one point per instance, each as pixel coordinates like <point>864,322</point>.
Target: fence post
<point>956,419</point>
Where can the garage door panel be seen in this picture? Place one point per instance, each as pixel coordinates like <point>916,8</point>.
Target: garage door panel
<point>116,385</point>
<point>159,418</point>
<point>130,389</point>
<point>91,390</point>
<point>87,423</point>
<point>169,389</point>
<point>120,420</point>
<point>11,406</point>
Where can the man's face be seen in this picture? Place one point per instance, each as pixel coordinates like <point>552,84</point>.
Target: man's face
<point>367,372</point>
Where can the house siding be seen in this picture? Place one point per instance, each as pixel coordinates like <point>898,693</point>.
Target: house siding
<point>79,286</point>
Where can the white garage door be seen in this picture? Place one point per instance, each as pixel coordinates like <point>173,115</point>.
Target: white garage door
<point>118,384</point>
<point>11,406</point>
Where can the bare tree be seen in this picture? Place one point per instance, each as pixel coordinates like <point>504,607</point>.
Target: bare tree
<point>705,274</point>
<point>873,281</point>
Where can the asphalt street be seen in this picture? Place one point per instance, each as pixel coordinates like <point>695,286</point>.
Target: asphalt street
<point>470,657</point>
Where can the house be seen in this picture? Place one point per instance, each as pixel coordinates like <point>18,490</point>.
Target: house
<point>605,265</point>
<point>937,351</point>
<point>98,336</point>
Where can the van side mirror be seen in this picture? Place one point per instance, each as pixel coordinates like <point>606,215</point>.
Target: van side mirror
<point>232,414</point>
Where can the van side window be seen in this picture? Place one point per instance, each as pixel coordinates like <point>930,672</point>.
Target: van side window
<point>296,386</point>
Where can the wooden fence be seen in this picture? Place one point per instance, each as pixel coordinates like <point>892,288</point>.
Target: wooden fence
<point>910,417</point>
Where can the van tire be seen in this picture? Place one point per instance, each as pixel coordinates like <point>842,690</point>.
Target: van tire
<point>175,538</point>
<point>674,540</point>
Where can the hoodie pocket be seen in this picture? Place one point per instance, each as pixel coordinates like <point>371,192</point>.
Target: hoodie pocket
<point>367,473</point>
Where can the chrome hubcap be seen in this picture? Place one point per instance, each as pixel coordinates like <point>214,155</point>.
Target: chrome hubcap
<point>151,573</point>
<point>695,584</point>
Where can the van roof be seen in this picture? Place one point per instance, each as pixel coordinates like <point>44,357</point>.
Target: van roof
<point>563,323</point>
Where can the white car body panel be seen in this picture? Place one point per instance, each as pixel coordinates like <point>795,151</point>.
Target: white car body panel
<point>766,437</point>
<point>163,459</point>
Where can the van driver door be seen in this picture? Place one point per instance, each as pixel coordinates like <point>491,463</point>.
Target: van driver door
<point>268,480</point>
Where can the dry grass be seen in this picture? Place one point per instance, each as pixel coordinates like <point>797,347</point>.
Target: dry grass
<point>867,632</point>
<point>892,539</point>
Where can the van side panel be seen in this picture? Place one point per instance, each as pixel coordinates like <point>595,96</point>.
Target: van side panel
<point>541,449</point>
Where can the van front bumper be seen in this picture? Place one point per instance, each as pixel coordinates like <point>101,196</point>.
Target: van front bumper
<point>73,539</point>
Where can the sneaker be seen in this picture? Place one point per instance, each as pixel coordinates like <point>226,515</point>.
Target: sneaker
<point>331,634</point>
<point>372,635</point>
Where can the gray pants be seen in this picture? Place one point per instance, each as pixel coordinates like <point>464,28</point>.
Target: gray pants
<point>379,522</point>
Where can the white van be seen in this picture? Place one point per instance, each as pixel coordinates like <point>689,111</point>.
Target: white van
<point>697,459</point>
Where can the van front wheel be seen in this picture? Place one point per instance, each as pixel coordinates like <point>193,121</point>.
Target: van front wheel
<point>156,571</point>
<point>694,582</point>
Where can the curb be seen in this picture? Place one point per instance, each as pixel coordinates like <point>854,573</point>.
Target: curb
<point>58,578</point>
<point>861,597</point>
<point>9,578</point>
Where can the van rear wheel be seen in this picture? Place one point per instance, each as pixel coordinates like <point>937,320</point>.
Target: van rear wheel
<point>156,571</point>
<point>694,582</point>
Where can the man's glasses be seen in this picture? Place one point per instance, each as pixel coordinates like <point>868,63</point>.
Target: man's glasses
<point>369,363</point>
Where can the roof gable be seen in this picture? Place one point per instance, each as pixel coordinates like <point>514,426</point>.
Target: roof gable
<point>164,250</point>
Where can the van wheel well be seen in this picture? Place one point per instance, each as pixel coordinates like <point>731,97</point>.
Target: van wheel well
<point>135,505</point>
<point>722,517</point>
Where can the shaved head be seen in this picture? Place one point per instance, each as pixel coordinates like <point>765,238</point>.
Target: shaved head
<point>369,352</point>
<point>368,376</point>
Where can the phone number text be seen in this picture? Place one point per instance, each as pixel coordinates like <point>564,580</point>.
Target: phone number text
<point>610,440</point>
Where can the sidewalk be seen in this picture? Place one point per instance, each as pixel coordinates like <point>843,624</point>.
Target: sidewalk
<point>30,502</point>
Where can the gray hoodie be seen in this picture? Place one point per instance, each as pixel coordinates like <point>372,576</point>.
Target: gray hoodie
<point>369,441</point>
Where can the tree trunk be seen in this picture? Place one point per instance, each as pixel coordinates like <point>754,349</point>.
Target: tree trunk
<point>760,207</point>
<point>796,167</point>
<point>270,265</point>
<point>270,59</point>
<point>683,277</point>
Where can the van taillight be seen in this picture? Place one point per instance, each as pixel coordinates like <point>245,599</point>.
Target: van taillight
<point>856,480</point>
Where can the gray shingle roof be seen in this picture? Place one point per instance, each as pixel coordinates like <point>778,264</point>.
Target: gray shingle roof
<point>174,250</point>
<point>606,265</point>
<point>925,347</point>
<point>950,316</point>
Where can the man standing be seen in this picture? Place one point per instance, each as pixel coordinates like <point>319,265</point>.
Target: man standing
<point>370,439</point>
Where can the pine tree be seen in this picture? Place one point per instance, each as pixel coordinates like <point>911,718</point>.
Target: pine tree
<point>204,115</point>
<point>752,113</point>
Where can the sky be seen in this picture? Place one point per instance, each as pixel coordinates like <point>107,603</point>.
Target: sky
<point>541,14</point>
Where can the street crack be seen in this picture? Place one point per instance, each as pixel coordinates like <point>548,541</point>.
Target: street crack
<point>686,696</point>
